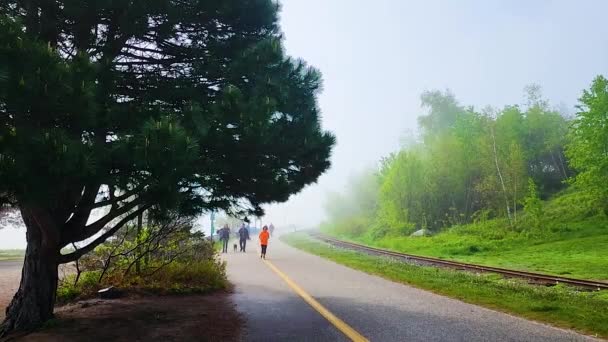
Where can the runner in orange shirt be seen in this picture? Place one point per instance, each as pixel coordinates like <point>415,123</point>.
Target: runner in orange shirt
<point>264,236</point>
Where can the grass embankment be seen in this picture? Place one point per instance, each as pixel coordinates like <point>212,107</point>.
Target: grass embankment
<point>560,305</point>
<point>11,254</point>
<point>572,242</point>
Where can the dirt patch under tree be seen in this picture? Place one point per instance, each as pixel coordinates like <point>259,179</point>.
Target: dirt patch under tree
<point>151,318</point>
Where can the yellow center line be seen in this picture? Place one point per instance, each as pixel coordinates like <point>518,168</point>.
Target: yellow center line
<point>338,323</point>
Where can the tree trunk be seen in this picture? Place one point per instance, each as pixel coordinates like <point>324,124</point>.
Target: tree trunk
<point>502,182</point>
<point>33,303</point>
<point>561,161</point>
<point>514,198</point>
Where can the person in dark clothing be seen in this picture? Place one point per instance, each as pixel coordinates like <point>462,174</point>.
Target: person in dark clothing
<point>224,234</point>
<point>243,237</point>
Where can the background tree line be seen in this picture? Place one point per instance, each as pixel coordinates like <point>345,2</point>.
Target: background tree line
<point>468,165</point>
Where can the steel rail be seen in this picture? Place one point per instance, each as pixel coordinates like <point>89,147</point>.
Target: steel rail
<point>537,278</point>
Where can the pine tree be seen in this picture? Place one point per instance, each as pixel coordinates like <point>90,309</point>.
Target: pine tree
<point>144,105</point>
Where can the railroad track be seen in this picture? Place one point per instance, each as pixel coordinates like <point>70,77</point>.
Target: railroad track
<point>535,278</point>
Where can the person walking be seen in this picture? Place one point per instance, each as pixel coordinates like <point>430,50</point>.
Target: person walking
<point>271,229</point>
<point>224,237</point>
<point>264,236</point>
<point>243,237</point>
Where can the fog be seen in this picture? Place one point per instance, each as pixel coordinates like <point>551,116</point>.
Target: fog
<point>378,57</point>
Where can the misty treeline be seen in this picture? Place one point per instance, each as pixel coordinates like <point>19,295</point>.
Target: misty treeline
<point>469,165</point>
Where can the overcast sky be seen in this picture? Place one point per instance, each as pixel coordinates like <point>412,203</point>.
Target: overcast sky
<point>378,57</point>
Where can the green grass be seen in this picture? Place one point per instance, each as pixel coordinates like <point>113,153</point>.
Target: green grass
<point>579,257</point>
<point>11,254</point>
<point>572,242</point>
<point>561,305</point>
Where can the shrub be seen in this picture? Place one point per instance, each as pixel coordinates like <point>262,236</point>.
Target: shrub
<point>164,259</point>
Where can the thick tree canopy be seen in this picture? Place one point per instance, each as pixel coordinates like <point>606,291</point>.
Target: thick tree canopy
<point>588,146</point>
<point>188,103</point>
<point>132,105</point>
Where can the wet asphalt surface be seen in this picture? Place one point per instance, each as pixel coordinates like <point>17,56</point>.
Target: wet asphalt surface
<point>379,309</point>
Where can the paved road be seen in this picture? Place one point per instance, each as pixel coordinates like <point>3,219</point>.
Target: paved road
<point>10,274</point>
<point>380,310</point>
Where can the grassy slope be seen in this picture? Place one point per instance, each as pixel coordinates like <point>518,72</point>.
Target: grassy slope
<point>573,241</point>
<point>561,306</point>
<point>11,254</point>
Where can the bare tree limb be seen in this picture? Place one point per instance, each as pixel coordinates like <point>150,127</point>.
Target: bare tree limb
<point>149,249</point>
<point>108,261</point>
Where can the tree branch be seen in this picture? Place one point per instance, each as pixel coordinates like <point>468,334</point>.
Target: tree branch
<point>78,271</point>
<point>161,234</point>
<point>178,254</point>
<point>115,199</point>
<point>84,207</point>
<point>108,261</point>
<point>71,195</point>
<point>65,258</point>
<point>98,225</point>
